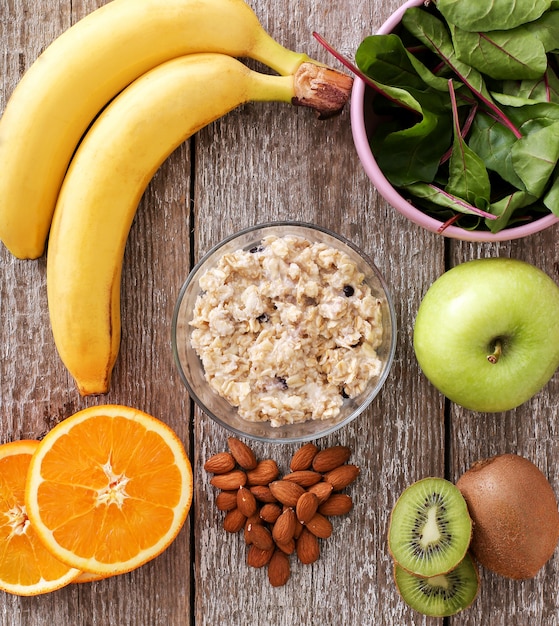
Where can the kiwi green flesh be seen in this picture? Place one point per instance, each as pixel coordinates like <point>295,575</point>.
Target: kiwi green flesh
<point>442,595</point>
<point>430,528</point>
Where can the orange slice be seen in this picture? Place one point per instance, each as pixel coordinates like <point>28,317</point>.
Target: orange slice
<point>89,577</point>
<point>27,568</point>
<point>108,489</point>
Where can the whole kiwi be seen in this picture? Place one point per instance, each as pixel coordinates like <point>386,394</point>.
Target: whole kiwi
<point>514,510</point>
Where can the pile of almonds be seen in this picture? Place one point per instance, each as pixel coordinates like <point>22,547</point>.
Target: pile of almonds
<point>281,515</point>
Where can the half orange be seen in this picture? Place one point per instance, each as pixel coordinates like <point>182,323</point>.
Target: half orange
<point>27,568</point>
<point>108,489</point>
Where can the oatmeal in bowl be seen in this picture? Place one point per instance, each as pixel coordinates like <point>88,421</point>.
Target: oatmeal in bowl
<point>284,332</point>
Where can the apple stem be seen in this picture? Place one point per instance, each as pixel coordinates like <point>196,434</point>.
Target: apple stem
<point>494,357</point>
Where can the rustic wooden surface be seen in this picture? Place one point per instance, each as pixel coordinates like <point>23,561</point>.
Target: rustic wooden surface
<point>265,162</point>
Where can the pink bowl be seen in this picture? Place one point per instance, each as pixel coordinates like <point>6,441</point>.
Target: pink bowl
<point>360,98</point>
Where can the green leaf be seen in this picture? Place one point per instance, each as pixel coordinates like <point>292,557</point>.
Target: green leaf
<point>432,32</point>
<point>442,198</point>
<point>493,143</point>
<point>468,177</point>
<point>546,29</point>
<point>533,117</point>
<point>501,54</point>
<point>414,153</point>
<point>506,207</point>
<point>385,59</point>
<point>544,89</point>
<point>478,15</point>
<point>534,158</point>
<point>551,198</point>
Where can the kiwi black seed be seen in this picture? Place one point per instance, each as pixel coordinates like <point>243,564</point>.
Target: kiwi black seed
<point>442,595</point>
<point>430,528</point>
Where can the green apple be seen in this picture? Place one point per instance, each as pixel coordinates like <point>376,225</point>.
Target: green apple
<point>487,333</point>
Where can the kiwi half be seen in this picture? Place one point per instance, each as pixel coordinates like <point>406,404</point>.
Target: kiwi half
<point>442,595</point>
<point>430,528</point>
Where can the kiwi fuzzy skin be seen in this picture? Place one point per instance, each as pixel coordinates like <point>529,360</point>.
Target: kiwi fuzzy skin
<point>514,510</point>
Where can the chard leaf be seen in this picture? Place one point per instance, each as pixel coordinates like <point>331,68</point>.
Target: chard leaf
<point>431,31</point>
<point>533,117</point>
<point>501,54</point>
<point>399,76</point>
<point>511,100</point>
<point>544,89</point>
<point>551,198</point>
<point>546,29</point>
<point>506,208</point>
<point>444,199</point>
<point>493,143</point>
<point>413,154</point>
<point>385,59</point>
<point>468,177</point>
<point>534,158</point>
<point>413,99</point>
<point>493,15</point>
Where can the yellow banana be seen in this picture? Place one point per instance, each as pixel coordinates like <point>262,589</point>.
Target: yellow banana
<point>109,173</point>
<point>82,70</point>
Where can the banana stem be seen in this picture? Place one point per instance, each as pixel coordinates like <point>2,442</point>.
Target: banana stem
<point>322,88</point>
<point>318,87</point>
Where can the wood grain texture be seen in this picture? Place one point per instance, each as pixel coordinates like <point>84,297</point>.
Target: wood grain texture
<point>265,162</point>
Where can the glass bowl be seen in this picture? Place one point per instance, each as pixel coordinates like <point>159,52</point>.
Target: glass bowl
<point>190,366</point>
<point>363,124</point>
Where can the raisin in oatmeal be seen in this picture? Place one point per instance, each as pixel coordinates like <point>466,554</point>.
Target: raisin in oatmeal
<point>287,330</point>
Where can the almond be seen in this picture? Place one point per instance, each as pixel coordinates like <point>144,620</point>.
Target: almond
<point>308,548</point>
<point>307,506</point>
<point>260,536</point>
<point>286,492</point>
<point>233,521</point>
<point>257,557</point>
<point>319,526</point>
<point>278,569</point>
<point>230,481</point>
<point>342,476</point>
<point>330,458</point>
<point>302,459</point>
<point>298,530</point>
<point>321,490</point>
<point>337,504</point>
<point>262,493</point>
<point>246,502</point>
<point>305,478</point>
<point>270,512</point>
<point>226,500</point>
<point>253,519</point>
<point>220,463</point>
<point>244,456</point>
<point>284,528</point>
<point>264,473</point>
<point>287,548</point>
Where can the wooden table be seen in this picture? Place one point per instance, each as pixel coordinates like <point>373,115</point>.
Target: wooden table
<point>265,162</point>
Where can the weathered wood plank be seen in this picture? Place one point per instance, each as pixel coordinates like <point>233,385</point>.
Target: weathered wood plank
<point>530,430</point>
<point>36,392</point>
<point>300,168</point>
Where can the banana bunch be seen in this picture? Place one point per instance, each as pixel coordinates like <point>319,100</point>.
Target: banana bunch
<point>76,153</point>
